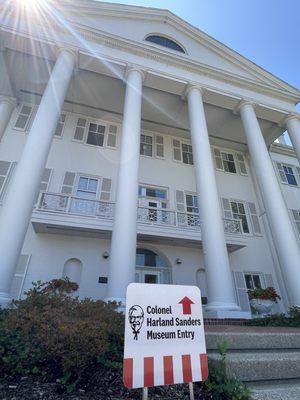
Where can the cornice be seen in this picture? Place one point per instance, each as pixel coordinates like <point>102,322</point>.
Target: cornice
<point>154,14</point>
<point>143,50</point>
<point>282,149</point>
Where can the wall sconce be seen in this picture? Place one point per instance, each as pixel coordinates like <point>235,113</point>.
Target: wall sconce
<point>178,261</point>
<point>105,255</point>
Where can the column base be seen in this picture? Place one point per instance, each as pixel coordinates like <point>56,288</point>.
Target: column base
<point>122,303</point>
<point>5,300</point>
<point>226,314</point>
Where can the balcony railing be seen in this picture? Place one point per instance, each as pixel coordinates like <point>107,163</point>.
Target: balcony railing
<point>61,203</point>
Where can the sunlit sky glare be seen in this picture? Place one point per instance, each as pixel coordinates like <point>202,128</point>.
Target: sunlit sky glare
<point>265,31</point>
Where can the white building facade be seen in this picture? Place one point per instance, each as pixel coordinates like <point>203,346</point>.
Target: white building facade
<point>134,147</point>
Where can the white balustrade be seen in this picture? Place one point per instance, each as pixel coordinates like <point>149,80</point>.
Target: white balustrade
<point>61,203</point>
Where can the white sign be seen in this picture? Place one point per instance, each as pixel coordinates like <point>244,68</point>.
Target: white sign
<point>164,336</point>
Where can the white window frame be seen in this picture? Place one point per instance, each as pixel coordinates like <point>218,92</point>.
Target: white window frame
<point>235,159</point>
<point>187,142</point>
<point>97,122</point>
<point>154,144</point>
<point>295,173</point>
<point>248,216</point>
<point>252,273</point>
<point>82,175</point>
<point>28,123</point>
<point>186,193</point>
<point>66,114</point>
<point>148,186</point>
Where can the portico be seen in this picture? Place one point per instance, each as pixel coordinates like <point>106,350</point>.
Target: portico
<point>208,107</point>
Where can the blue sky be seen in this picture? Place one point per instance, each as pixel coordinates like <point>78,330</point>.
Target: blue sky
<point>265,31</point>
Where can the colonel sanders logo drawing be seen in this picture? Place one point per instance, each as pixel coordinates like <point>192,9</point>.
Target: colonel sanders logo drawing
<point>136,319</point>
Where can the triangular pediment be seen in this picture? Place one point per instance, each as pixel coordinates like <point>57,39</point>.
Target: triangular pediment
<point>133,24</point>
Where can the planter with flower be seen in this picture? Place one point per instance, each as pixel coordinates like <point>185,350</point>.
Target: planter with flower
<point>263,300</point>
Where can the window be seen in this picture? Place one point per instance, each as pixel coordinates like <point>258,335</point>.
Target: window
<point>6,171</point>
<point>192,203</point>
<point>228,162</point>
<point>60,125</point>
<point>151,268</point>
<point>146,145</point>
<point>253,281</point>
<point>183,152</point>
<point>238,212</point>
<point>165,42</point>
<point>187,154</point>
<point>87,188</point>
<point>22,121</point>
<point>287,173</point>
<point>152,192</point>
<point>296,215</point>
<point>96,133</point>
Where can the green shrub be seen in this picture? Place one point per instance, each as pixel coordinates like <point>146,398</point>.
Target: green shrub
<point>54,333</point>
<point>292,319</point>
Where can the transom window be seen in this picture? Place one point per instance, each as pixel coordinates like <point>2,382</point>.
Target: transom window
<point>146,145</point>
<point>253,281</point>
<point>165,42</point>
<point>239,212</point>
<point>145,191</point>
<point>228,162</point>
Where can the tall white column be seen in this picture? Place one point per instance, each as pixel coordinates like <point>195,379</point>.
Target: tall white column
<point>16,212</point>
<point>221,294</point>
<point>7,104</point>
<point>293,127</point>
<point>283,233</point>
<point>123,244</point>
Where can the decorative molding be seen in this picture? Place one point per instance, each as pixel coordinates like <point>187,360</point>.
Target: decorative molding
<point>191,86</point>
<point>242,103</point>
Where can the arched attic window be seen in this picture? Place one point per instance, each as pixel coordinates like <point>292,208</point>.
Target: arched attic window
<point>165,42</point>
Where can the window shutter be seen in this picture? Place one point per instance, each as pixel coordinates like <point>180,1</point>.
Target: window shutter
<point>180,201</point>
<point>45,180</point>
<point>80,129</point>
<point>60,125</point>
<point>296,215</point>
<point>16,289</point>
<point>105,189</point>
<point>4,174</point>
<point>241,290</point>
<point>241,164</point>
<point>176,150</point>
<point>218,159</point>
<point>68,183</point>
<point>112,136</point>
<point>159,146</point>
<point>23,118</point>
<point>254,219</point>
<point>227,208</point>
<point>281,172</point>
<point>298,173</point>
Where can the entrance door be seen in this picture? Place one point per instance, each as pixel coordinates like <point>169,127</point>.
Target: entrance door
<point>147,276</point>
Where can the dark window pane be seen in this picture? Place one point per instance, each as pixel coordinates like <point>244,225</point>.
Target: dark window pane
<point>149,278</point>
<point>95,139</point>
<point>248,281</point>
<point>165,42</point>
<point>256,281</point>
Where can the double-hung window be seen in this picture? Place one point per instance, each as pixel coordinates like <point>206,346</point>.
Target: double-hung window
<point>23,118</point>
<point>253,281</point>
<point>288,173</point>
<point>146,146</point>
<point>239,212</point>
<point>228,162</point>
<point>191,203</point>
<point>183,152</point>
<point>96,133</point>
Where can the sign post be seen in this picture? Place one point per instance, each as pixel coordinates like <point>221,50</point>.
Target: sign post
<point>164,337</point>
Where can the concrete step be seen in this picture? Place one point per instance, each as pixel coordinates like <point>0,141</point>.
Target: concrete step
<point>253,340</point>
<point>282,390</point>
<point>259,365</point>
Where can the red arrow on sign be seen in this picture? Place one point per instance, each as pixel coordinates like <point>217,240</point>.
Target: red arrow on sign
<point>186,305</point>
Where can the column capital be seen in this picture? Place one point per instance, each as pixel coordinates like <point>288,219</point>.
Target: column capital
<point>131,68</point>
<point>72,52</point>
<point>9,100</point>
<point>191,86</point>
<point>289,117</point>
<point>242,103</point>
